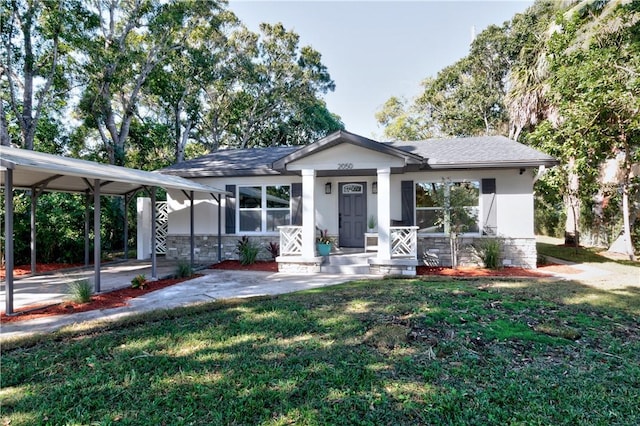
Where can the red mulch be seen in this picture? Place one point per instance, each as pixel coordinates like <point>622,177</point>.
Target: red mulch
<point>479,272</point>
<point>107,300</point>
<point>40,267</point>
<point>118,298</point>
<point>235,265</point>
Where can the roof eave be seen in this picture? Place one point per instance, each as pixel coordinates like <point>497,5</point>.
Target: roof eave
<point>262,171</point>
<point>494,164</point>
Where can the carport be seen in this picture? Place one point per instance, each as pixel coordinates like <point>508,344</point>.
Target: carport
<point>40,172</point>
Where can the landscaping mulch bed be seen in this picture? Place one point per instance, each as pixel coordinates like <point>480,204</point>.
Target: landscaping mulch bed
<point>119,298</point>
<point>40,268</point>
<point>479,272</point>
<point>107,300</point>
<point>235,265</point>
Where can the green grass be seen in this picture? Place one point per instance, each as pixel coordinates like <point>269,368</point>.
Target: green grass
<point>80,291</point>
<point>388,352</point>
<point>579,254</point>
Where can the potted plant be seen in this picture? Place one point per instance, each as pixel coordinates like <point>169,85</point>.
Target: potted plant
<point>323,243</point>
<point>371,223</point>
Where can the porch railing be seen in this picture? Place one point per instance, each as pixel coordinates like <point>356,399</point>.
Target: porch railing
<point>404,241</point>
<point>290,240</point>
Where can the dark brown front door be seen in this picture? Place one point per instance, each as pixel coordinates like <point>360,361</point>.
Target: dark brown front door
<point>352,213</point>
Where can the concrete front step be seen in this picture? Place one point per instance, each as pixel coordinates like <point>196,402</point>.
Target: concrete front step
<point>351,263</point>
<point>345,269</point>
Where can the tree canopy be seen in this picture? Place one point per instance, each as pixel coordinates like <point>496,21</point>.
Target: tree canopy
<point>108,80</point>
<point>146,83</point>
<point>562,76</point>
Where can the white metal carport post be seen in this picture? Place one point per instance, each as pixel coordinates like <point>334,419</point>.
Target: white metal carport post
<point>384,214</point>
<point>96,235</point>
<point>308,213</point>
<point>8,239</point>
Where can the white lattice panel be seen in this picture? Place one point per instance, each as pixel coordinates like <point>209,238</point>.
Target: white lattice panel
<point>290,240</point>
<point>162,227</point>
<point>404,241</point>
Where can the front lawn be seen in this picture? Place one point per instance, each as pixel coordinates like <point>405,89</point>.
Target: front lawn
<point>389,352</point>
<point>579,254</point>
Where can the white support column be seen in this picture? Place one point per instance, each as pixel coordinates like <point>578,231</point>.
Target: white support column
<point>308,213</point>
<point>143,228</point>
<point>97,243</point>
<point>8,240</point>
<point>384,213</point>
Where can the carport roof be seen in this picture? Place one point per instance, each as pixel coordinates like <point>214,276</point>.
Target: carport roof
<point>49,172</point>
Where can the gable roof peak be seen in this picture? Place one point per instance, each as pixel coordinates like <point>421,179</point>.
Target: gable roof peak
<point>342,136</point>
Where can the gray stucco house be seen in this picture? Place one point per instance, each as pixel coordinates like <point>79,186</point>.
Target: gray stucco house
<point>415,194</point>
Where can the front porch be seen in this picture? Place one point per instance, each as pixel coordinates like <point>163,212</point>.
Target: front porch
<point>346,179</point>
<point>402,252</point>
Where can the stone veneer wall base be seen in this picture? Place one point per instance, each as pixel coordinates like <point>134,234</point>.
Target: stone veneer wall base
<point>516,252</point>
<point>299,265</point>
<point>396,266</point>
<point>206,247</point>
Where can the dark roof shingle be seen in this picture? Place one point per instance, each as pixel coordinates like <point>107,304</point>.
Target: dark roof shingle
<point>232,162</point>
<point>452,153</point>
<point>480,152</point>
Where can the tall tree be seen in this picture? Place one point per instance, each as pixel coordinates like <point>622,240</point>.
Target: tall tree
<point>135,38</point>
<point>463,99</point>
<point>178,91</point>
<point>277,80</point>
<point>404,121</point>
<point>38,40</point>
<point>526,98</point>
<point>594,83</point>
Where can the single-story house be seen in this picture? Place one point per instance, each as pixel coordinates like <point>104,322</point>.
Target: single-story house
<point>399,200</point>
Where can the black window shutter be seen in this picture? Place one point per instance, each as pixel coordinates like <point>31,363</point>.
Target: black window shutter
<point>489,186</point>
<point>296,204</point>
<point>408,209</point>
<point>230,210</point>
<point>489,206</point>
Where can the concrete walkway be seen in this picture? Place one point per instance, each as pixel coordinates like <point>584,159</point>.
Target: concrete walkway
<point>50,288</point>
<point>214,285</point>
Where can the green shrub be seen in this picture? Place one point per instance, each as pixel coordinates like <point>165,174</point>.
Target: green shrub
<point>542,260</point>
<point>184,270</point>
<point>247,251</point>
<point>139,281</point>
<point>80,291</point>
<point>489,252</point>
<point>274,249</point>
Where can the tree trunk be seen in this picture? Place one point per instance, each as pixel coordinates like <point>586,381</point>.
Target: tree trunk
<point>182,143</point>
<point>626,179</point>
<point>627,227</point>
<point>5,139</point>
<point>572,204</point>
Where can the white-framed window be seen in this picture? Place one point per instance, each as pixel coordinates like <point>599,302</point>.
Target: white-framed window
<point>448,206</point>
<point>262,208</point>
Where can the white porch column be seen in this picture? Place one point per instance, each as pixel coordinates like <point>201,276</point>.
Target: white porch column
<point>384,213</point>
<point>143,227</point>
<point>308,213</point>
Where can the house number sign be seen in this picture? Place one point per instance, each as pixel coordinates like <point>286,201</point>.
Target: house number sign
<point>345,166</point>
<point>352,188</point>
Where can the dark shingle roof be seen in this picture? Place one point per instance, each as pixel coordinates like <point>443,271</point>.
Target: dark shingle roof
<point>453,153</point>
<point>232,162</point>
<point>476,152</point>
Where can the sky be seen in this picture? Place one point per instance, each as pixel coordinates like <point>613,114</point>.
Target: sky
<point>378,49</point>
